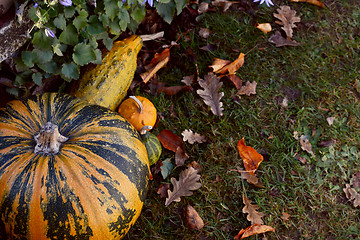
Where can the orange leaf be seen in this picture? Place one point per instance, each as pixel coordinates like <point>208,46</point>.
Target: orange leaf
<point>231,68</point>
<point>251,158</point>
<point>159,61</point>
<point>218,64</point>
<point>170,140</point>
<point>252,230</point>
<point>314,2</point>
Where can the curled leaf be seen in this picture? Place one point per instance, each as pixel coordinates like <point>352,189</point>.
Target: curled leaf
<point>251,158</point>
<point>314,2</point>
<point>253,230</point>
<point>264,27</point>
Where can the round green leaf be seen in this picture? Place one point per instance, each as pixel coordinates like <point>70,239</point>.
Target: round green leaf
<point>41,41</point>
<point>37,78</point>
<point>83,54</point>
<point>60,21</point>
<point>43,56</point>
<point>29,58</point>
<point>69,35</point>
<point>70,71</point>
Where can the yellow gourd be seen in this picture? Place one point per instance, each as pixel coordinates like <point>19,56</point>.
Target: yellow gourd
<point>107,84</point>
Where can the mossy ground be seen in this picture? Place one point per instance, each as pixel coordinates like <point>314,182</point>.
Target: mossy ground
<point>319,80</point>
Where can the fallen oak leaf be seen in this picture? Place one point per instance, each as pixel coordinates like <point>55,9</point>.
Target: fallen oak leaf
<point>188,182</point>
<point>253,230</point>
<point>314,2</point>
<point>192,219</point>
<point>210,95</point>
<point>248,89</point>
<point>191,137</point>
<point>253,215</point>
<point>251,158</point>
<point>287,18</point>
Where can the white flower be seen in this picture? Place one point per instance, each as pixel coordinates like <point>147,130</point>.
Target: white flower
<point>268,2</point>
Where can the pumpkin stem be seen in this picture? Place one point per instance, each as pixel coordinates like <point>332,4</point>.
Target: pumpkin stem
<point>144,129</point>
<point>141,108</point>
<point>49,139</point>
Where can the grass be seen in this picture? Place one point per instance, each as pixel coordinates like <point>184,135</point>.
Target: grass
<point>317,77</point>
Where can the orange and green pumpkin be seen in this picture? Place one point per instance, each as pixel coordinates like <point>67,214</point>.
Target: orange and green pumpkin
<point>68,170</point>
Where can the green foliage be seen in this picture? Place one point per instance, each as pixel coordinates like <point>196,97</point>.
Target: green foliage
<point>77,31</point>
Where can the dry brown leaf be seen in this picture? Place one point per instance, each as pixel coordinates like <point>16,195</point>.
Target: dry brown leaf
<point>173,90</point>
<point>264,27</point>
<point>195,165</point>
<point>285,216</point>
<point>253,215</point>
<point>210,95</point>
<point>330,120</point>
<point>252,230</point>
<point>305,144</point>
<point>188,80</point>
<point>248,89</point>
<point>180,157</point>
<point>203,7</point>
<point>314,2</point>
<point>158,61</point>
<point>193,219</point>
<point>150,37</point>
<point>287,18</point>
<point>204,33</point>
<point>223,3</point>
<point>252,179</point>
<point>191,137</point>
<point>235,80</point>
<point>188,182</point>
<point>352,195</point>
<point>280,41</point>
<point>162,191</point>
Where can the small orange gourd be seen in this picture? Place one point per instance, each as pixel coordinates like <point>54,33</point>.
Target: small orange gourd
<point>139,111</point>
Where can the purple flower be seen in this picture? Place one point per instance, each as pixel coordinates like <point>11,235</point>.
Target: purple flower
<point>151,2</point>
<point>268,2</point>
<point>36,5</point>
<point>49,33</point>
<point>66,3</point>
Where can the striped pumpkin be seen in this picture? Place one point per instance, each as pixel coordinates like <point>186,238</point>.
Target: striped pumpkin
<point>68,170</point>
<point>152,144</point>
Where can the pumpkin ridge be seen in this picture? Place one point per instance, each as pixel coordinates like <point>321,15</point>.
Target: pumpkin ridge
<point>122,162</point>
